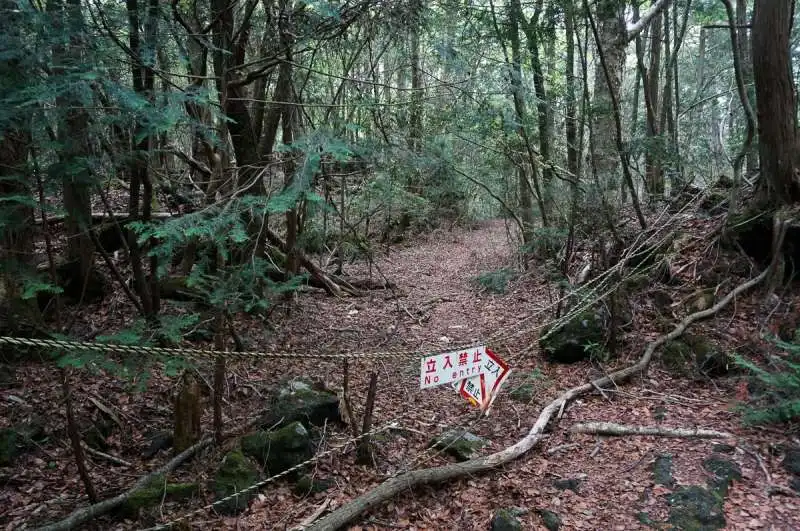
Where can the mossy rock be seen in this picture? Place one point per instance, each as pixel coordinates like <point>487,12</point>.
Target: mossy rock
<point>280,450</point>
<point>724,472</point>
<point>505,520</point>
<point>235,474</point>
<point>460,444</point>
<point>662,470</point>
<point>693,354</point>
<point>300,400</point>
<point>695,508</point>
<point>10,446</point>
<point>156,491</point>
<point>17,440</point>
<point>569,342</point>
<point>307,484</point>
<point>723,448</point>
<point>550,519</point>
<point>791,461</point>
<point>8,376</point>
<point>572,484</point>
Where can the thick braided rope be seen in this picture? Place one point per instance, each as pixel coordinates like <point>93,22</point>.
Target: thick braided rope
<point>255,486</point>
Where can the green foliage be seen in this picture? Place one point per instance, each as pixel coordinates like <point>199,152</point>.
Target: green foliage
<point>597,351</point>
<point>495,281</point>
<point>545,242</point>
<point>777,390</point>
<point>137,367</point>
<point>532,383</point>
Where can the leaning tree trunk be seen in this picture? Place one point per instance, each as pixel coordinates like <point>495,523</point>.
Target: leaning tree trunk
<point>775,100</point>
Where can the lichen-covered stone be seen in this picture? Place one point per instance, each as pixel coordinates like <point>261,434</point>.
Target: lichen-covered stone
<point>10,446</point>
<point>695,508</point>
<point>724,472</point>
<point>662,470</point>
<point>307,484</point>
<point>791,461</point>
<point>156,491</point>
<point>460,443</point>
<point>279,450</point>
<point>567,484</point>
<point>234,474</point>
<point>300,401</point>
<point>695,354</point>
<point>16,440</point>
<point>505,520</point>
<point>550,519</point>
<point>570,342</point>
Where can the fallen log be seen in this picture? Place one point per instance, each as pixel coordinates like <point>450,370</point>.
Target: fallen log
<point>414,478</point>
<point>332,286</point>
<point>87,513</point>
<point>614,429</point>
<point>99,217</point>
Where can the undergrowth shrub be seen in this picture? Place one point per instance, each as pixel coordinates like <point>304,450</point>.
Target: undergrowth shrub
<point>546,242</point>
<point>776,397</point>
<point>495,281</point>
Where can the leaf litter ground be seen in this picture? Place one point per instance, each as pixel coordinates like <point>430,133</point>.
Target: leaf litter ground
<point>436,304</point>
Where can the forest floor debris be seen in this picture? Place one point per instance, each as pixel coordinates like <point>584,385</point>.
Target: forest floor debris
<point>436,304</point>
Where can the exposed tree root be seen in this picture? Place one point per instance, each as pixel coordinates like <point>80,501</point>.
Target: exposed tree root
<point>87,513</point>
<point>414,478</point>
<point>612,428</point>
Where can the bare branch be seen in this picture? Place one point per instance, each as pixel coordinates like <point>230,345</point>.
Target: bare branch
<point>637,27</point>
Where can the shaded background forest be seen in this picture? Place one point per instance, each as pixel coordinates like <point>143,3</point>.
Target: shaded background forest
<point>231,153</point>
<point>223,140</point>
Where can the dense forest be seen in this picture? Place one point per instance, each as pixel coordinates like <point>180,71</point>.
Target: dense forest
<point>231,230</point>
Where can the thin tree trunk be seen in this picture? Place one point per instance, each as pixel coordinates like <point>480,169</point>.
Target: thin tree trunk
<point>653,175</point>
<point>751,167</point>
<point>73,133</point>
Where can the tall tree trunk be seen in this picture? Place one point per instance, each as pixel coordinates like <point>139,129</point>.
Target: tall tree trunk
<point>16,232</point>
<point>520,108</point>
<point>138,205</point>
<point>747,76</point>
<point>415,111</point>
<point>534,30</point>
<point>571,129</point>
<point>611,32</point>
<point>653,176</point>
<point>73,133</point>
<point>775,99</point>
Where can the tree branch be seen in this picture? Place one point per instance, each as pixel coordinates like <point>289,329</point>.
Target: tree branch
<point>634,29</point>
<point>612,428</point>
<point>87,513</point>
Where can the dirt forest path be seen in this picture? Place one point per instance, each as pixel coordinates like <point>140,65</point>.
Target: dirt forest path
<point>436,305</point>
<point>436,301</point>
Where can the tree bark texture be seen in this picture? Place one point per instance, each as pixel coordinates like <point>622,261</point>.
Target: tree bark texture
<point>775,100</point>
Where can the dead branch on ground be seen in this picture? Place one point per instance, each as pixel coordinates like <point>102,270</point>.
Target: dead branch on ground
<point>612,428</point>
<point>87,513</point>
